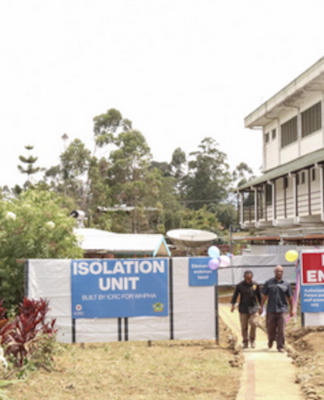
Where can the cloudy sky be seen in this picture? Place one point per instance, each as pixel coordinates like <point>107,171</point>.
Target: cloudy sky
<point>181,70</point>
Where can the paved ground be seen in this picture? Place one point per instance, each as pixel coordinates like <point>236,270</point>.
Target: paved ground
<point>267,374</point>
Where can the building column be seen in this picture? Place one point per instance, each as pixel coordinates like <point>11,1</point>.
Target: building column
<point>274,200</point>
<point>256,214</point>
<point>295,194</point>
<point>299,131</point>
<point>322,118</point>
<point>265,214</point>
<point>242,208</point>
<point>286,177</point>
<point>279,140</point>
<point>264,161</point>
<point>321,169</point>
<point>309,189</point>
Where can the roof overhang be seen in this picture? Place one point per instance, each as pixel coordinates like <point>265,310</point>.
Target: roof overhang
<point>277,238</point>
<point>312,80</point>
<point>307,161</point>
<point>257,239</point>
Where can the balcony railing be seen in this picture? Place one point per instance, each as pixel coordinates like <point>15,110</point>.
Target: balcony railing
<point>306,205</point>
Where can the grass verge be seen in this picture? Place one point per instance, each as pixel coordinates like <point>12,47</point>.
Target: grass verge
<point>166,370</point>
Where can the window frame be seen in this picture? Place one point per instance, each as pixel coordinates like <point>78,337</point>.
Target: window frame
<point>311,119</point>
<point>274,134</point>
<point>266,138</point>
<point>289,132</point>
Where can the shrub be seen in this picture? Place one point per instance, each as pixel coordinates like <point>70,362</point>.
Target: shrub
<point>34,226</point>
<point>28,333</point>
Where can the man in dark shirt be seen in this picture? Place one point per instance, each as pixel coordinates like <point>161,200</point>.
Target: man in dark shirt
<point>249,292</point>
<point>277,291</point>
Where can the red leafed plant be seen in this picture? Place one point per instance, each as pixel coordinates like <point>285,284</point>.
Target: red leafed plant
<point>5,326</point>
<point>3,320</point>
<point>19,336</point>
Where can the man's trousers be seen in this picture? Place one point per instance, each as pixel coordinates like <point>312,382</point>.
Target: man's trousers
<point>245,320</point>
<point>276,323</point>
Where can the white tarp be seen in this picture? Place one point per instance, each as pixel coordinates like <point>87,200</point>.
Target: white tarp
<point>193,313</point>
<point>119,243</point>
<point>193,307</point>
<point>262,267</point>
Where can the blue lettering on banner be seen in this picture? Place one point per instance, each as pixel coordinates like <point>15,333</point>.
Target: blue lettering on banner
<point>199,272</point>
<point>312,298</point>
<point>119,288</point>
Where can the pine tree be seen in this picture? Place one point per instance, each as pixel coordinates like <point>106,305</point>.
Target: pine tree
<point>29,162</point>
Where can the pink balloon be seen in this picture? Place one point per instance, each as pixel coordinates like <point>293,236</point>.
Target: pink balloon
<point>225,261</point>
<point>213,263</point>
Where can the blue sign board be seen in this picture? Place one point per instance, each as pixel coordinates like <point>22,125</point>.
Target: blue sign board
<point>119,288</point>
<point>312,298</point>
<point>199,272</point>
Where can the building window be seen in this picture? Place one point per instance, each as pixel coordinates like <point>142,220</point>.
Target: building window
<point>285,182</point>
<point>302,177</point>
<point>266,137</point>
<point>268,195</point>
<point>274,133</point>
<point>311,119</point>
<point>289,132</point>
<point>313,174</point>
<point>297,179</point>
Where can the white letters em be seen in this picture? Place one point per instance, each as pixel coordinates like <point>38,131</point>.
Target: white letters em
<point>315,276</point>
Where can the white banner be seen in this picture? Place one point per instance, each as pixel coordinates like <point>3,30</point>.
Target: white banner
<point>191,308</point>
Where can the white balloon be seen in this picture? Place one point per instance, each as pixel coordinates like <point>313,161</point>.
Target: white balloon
<point>225,261</point>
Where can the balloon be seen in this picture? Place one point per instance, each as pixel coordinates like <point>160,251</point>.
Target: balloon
<point>213,263</point>
<point>225,261</point>
<point>213,252</point>
<point>291,255</point>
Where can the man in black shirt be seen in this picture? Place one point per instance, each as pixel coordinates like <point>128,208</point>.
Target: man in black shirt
<point>277,291</point>
<point>250,296</point>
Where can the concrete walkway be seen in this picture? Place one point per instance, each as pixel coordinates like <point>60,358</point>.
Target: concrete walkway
<point>267,374</point>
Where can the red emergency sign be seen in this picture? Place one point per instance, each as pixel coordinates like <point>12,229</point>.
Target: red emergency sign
<point>312,268</point>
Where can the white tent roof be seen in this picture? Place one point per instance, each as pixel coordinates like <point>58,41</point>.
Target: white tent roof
<point>97,240</point>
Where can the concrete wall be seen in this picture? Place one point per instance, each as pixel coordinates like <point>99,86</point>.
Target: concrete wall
<point>273,154</point>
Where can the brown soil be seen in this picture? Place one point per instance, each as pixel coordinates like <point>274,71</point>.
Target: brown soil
<point>166,370</point>
<point>308,355</point>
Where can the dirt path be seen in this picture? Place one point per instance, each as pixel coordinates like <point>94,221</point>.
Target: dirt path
<point>267,374</point>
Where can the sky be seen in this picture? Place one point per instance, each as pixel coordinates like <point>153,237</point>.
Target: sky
<point>180,70</point>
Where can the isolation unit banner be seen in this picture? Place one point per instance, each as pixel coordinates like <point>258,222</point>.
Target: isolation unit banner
<point>119,288</point>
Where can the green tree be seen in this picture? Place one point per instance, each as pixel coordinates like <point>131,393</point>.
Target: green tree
<point>98,194</point>
<point>178,162</point>
<point>54,174</point>
<point>130,180</point>
<point>226,214</point>
<point>200,219</point>
<point>75,162</point>
<point>106,125</point>
<point>208,180</point>
<point>163,167</point>
<point>33,226</point>
<point>242,174</point>
<point>83,178</point>
<point>29,162</point>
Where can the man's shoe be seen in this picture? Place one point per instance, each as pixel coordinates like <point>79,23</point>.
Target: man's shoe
<point>270,343</point>
<point>253,344</point>
<point>282,350</point>
<point>245,345</point>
